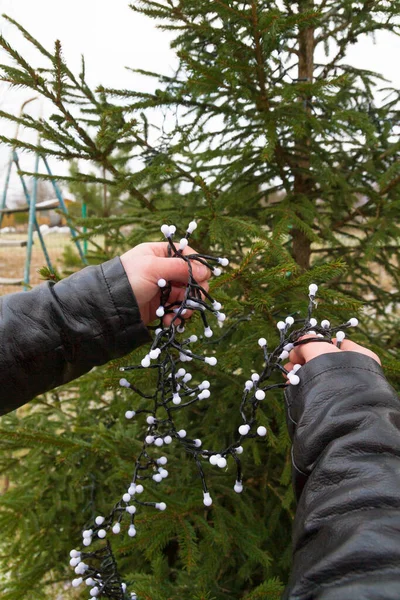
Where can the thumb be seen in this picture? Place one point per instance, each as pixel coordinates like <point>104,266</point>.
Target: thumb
<point>176,269</point>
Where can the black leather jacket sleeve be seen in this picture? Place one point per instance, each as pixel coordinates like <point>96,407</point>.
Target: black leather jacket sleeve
<point>344,421</point>
<point>56,332</point>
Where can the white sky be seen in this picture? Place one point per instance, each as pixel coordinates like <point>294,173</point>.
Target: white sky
<point>111,37</point>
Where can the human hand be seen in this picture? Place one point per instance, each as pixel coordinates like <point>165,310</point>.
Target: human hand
<point>146,264</point>
<point>302,354</point>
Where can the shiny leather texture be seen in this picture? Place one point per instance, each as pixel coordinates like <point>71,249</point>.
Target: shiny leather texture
<point>344,422</point>
<point>57,332</point>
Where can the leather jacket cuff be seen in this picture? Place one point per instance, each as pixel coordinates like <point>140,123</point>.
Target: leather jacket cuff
<point>129,329</point>
<point>321,401</point>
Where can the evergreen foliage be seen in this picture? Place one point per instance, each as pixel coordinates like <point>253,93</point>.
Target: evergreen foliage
<point>290,164</point>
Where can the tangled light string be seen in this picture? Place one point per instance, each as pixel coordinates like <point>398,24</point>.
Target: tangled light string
<point>97,568</point>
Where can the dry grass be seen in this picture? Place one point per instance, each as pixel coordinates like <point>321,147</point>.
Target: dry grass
<point>12,259</point>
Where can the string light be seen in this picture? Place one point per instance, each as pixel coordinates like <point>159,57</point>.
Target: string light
<point>175,391</point>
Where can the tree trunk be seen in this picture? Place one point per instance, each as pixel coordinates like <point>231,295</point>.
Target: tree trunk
<point>303,183</point>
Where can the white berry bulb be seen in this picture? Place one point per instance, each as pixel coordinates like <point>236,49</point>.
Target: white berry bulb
<point>294,379</point>
<point>75,561</point>
<point>165,230</point>
<point>238,487</point>
<point>207,500</point>
<point>313,289</point>
<point>325,324</point>
<point>88,532</point>
<point>313,322</point>
<point>145,362</point>
<point>281,325</point>
<point>176,399</point>
<point>99,520</point>
<point>261,430</point>
<point>244,429</point>
<point>289,320</point>
<point>210,360</point>
<point>204,385</point>
<point>192,226</point>
<point>224,262</point>
<point>262,342</point>
<point>161,283</point>
<point>260,395</point>
<point>221,462</point>
<point>208,332</point>
<point>116,528</point>
<point>340,336</point>
<point>160,311</point>
<point>353,322</point>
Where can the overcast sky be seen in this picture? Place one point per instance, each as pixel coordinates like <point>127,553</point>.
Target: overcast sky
<point>111,37</point>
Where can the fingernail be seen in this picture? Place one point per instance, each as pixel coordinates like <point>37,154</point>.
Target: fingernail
<point>202,272</point>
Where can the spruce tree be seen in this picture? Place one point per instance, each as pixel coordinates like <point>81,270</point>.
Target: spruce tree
<point>288,158</point>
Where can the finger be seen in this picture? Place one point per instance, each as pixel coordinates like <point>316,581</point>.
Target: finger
<point>167,320</point>
<point>305,352</point>
<point>159,249</point>
<point>178,293</point>
<point>174,269</point>
<point>288,367</point>
<point>349,346</point>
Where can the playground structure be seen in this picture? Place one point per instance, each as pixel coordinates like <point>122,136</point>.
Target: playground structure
<point>32,207</point>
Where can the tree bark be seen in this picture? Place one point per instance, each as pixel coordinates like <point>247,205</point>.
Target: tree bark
<point>303,183</point>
